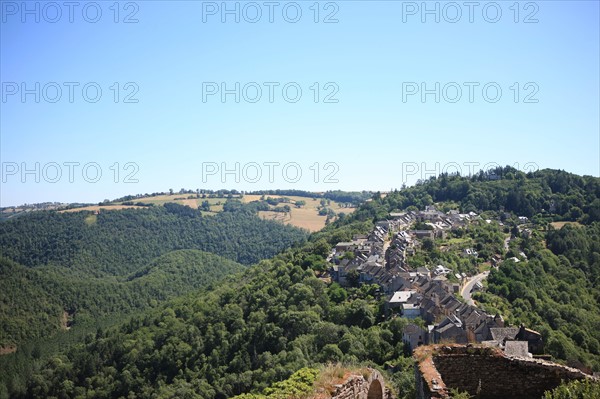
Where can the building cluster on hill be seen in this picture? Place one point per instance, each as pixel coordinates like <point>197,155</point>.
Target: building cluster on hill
<point>448,319</point>
<point>381,258</point>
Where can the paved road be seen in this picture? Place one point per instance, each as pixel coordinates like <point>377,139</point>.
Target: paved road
<point>468,288</point>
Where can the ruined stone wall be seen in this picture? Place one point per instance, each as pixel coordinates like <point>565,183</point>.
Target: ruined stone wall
<point>486,372</point>
<point>361,387</point>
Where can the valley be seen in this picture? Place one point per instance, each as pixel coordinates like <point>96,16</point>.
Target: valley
<point>167,301</point>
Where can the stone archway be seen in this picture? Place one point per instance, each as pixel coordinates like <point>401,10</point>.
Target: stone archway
<point>375,390</point>
<point>368,384</point>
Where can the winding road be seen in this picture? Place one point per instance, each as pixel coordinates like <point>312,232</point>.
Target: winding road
<point>466,291</point>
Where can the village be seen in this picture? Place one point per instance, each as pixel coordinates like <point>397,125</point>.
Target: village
<point>427,293</point>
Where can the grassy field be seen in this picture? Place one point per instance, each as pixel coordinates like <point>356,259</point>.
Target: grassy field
<point>180,199</point>
<point>109,207</point>
<point>306,217</point>
<point>453,244</point>
<point>559,225</point>
<point>216,204</point>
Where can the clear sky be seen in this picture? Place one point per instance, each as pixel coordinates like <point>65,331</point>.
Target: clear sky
<point>103,99</point>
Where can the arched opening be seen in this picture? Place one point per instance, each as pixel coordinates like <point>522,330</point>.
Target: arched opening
<point>375,390</point>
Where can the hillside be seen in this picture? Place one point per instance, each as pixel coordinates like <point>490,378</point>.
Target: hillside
<point>311,214</point>
<point>556,291</point>
<point>90,265</point>
<point>255,330</point>
<point>306,210</point>
<point>277,319</point>
<point>120,242</point>
<point>34,300</point>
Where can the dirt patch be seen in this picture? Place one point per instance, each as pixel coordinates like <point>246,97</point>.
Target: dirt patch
<point>102,208</point>
<point>6,350</point>
<point>64,321</point>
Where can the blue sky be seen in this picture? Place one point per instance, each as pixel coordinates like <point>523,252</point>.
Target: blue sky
<point>159,125</point>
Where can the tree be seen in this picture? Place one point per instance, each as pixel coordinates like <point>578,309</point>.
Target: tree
<point>353,277</point>
<point>428,244</point>
<point>360,314</point>
<point>349,255</point>
<point>331,353</point>
<point>322,248</point>
<point>336,293</point>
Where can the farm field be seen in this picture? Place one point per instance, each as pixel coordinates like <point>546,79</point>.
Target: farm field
<point>108,207</point>
<point>215,203</point>
<point>306,217</point>
<point>180,199</point>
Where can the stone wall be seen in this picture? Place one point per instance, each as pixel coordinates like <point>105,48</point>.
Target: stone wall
<point>486,372</point>
<point>371,386</point>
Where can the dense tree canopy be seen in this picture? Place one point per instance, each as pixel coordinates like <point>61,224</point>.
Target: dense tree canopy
<point>240,337</point>
<point>120,242</point>
<point>115,262</point>
<point>552,193</point>
<point>556,293</point>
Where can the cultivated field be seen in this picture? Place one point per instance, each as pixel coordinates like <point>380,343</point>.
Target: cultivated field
<point>109,207</point>
<point>216,204</point>
<point>306,217</point>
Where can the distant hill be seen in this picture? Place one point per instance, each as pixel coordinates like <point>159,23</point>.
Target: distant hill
<point>309,210</point>
<point>119,242</point>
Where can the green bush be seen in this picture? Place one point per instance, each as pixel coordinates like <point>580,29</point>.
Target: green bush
<point>586,389</point>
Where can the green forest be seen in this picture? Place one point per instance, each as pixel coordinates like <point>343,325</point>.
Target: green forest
<point>120,242</point>
<point>277,318</point>
<point>556,292</point>
<point>249,333</point>
<point>542,195</point>
<point>117,262</point>
<point>34,300</point>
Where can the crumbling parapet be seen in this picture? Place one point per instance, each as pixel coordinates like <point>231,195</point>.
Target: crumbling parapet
<point>485,372</point>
